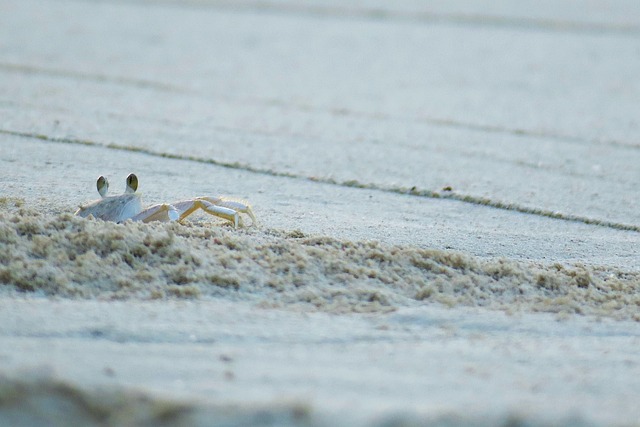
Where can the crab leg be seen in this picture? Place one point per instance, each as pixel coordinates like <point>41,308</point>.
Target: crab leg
<point>187,207</point>
<point>240,207</point>
<point>163,212</point>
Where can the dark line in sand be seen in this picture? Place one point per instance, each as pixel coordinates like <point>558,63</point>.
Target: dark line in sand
<point>298,136</point>
<point>453,124</point>
<point>418,17</point>
<point>413,191</point>
<point>433,121</point>
<point>99,78</point>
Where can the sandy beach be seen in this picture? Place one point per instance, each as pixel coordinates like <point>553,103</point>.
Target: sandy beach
<point>446,195</point>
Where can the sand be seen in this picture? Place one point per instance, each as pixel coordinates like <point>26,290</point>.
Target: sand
<point>72,257</point>
<point>232,361</point>
<point>39,401</point>
<point>200,323</point>
<point>447,198</point>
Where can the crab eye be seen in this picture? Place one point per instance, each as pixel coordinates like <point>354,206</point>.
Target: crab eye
<point>132,183</point>
<point>103,186</point>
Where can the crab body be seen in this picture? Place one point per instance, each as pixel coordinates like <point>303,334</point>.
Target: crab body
<point>128,206</point>
<point>113,208</point>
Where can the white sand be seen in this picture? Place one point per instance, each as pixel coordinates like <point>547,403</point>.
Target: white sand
<point>227,325</point>
<point>447,192</point>
<point>423,363</point>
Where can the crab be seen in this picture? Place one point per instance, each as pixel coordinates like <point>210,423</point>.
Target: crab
<point>128,206</point>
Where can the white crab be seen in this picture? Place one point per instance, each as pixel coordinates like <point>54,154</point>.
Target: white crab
<point>129,206</point>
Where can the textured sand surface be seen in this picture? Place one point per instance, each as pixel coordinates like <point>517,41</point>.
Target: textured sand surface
<point>73,257</point>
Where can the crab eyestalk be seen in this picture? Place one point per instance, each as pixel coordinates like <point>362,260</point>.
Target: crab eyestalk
<point>132,183</point>
<point>103,186</point>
